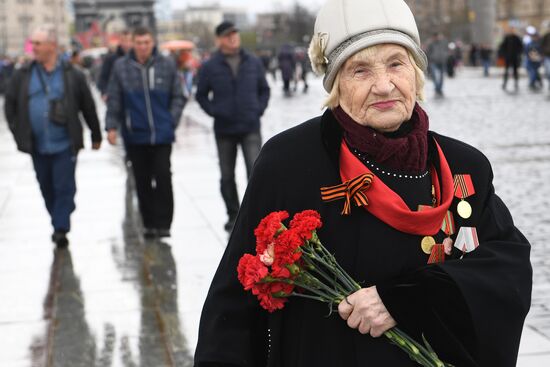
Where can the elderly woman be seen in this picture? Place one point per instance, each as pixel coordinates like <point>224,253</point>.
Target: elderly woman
<point>435,249</point>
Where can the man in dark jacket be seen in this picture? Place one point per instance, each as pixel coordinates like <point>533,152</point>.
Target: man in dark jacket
<point>42,107</point>
<point>239,98</point>
<point>107,68</point>
<point>511,49</point>
<point>438,50</point>
<point>145,102</point>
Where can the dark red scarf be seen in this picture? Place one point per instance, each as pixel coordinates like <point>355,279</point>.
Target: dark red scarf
<point>404,150</point>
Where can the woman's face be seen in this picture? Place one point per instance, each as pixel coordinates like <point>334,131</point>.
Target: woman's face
<point>379,90</point>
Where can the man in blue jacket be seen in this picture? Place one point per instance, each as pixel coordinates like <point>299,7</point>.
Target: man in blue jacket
<point>145,102</point>
<point>239,98</point>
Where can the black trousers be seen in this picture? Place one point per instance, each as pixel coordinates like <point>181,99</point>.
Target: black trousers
<point>514,65</point>
<point>151,167</point>
<point>227,145</point>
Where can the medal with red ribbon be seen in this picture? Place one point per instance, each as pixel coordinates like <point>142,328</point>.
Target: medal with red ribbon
<point>448,225</point>
<point>463,188</point>
<point>435,250</point>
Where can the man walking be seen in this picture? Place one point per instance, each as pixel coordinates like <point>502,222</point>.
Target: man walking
<point>42,107</point>
<point>124,46</point>
<point>145,101</point>
<point>511,49</point>
<point>239,98</point>
<point>437,58</point>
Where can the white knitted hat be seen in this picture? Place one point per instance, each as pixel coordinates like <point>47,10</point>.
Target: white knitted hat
<point>344,27</point>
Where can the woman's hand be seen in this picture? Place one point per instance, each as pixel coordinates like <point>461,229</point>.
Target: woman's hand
<point>365,311</point>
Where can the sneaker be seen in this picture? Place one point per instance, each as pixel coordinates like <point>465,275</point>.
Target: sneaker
<point>163,232</point>
<point>60,239</point>
<point>150,233</point>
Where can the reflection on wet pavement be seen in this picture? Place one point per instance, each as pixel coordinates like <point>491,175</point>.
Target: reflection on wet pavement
<point>67,340</point>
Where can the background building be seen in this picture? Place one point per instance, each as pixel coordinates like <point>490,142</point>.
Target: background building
<point>108,15</point>
<point>19,17</point>
<point>197,23</point>
<point>521,13</point>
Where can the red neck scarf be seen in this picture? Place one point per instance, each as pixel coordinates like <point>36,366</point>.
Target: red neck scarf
<point>387,206</point>
<point>404,150</point>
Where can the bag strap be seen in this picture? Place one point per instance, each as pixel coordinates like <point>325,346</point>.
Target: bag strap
<point>42,82</point>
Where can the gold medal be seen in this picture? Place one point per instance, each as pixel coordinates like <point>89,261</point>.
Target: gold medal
<point>427,243</point>
<point>464,209</point>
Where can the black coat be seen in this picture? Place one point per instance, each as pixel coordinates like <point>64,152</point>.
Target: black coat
<point>471,310</point>
<point>237,102</point>
<point>107,68</point>
<point>511,48</point>
<point>77,97</point>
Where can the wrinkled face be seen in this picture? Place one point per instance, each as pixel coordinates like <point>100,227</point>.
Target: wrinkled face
<point>42,47</point>
<point>379,90</point>
<point>143,47</point>
<point>230,43</point>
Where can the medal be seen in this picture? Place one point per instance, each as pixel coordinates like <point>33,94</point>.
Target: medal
<point>464,187</point>
<point>427,243</point>
<point>466,240</point>
<point>448,224</point>
<point>448,245</point>
<point>437,255</point>
<point>464,209</point>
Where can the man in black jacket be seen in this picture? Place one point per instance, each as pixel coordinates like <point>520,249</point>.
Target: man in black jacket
<point>42,107</point>
<point>240,95</point>
<point>511,49</point>
<point>106,69</point>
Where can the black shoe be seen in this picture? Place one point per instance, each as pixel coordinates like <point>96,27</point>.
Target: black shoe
<point>228,226</point>
<point>163,232</point>
<point>150,233</point>
<point>60,239</point>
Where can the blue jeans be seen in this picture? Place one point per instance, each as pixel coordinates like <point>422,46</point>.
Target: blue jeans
<point>486,66</point>
<point>437,76</point>
<point>56,175</point>
<point>251,144</point>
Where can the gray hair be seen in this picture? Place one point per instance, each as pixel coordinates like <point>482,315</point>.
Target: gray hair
<point>49,29</point>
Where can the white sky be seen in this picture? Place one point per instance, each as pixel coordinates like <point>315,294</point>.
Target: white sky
<point>253,6</point>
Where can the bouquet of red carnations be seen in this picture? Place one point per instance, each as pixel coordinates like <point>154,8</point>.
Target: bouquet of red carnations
<point>293,262</point>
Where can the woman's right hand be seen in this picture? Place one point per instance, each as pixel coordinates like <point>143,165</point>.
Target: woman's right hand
<point>365,311</point>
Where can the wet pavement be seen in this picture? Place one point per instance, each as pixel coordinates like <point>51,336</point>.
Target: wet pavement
<point>115,299</point>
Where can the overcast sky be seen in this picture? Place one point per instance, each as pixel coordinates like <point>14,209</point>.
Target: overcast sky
<point>254,6</point>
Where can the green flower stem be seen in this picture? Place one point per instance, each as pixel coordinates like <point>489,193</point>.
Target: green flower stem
<point>318,270</point>
<point>411,350</point>
<point>326,297</point>
<point>330,265</point>
<point>332,293</point>
<point>431,355</point>
<point>303,295</point>
<point>354,284</point>
<point>423,352</point>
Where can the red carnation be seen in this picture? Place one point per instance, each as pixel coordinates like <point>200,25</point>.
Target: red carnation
<point>287,249</point>
<point>250,271</point>
<point>273,296</point>
<point>268,229</point>
<point>305,223</point>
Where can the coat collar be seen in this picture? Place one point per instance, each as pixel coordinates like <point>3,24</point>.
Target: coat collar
<point>218,55</point>
<point>332,134</point>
